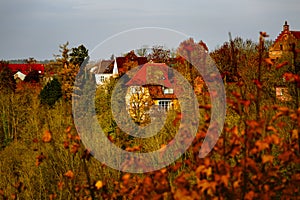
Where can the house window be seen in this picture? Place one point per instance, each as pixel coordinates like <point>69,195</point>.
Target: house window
<point>281,47</point>
<point>281,92</point>
<point>164,104</point>
<point>102,79</point>
<point>168,91</point>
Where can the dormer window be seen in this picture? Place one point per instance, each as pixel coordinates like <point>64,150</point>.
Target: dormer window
<point>168,91</point>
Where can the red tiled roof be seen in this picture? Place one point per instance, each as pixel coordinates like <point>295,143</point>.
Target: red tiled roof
<point>296,34</point>
<point>287,31</point>
<point>151,72</point>
<point>106,66</point>
<point>279,36</point>
<point>26,68</point>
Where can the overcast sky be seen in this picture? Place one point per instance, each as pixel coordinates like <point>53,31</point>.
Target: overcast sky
<point>36,28</point>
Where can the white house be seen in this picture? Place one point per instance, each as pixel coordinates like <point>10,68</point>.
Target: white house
<point>112,68</point>
<point>103,72</point>
<point>19,75</point>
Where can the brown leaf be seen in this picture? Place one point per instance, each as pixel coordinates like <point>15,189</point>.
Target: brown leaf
<point>77,137</point>
<point>47,136</point>
<point>283,109</point>
<point>285,156</point>
<point>52,196</point>
<point>252,123</point>
<point>206,161</point>
<point>75,148</point>
<point>126,177</point>
<point>267,158</point>
<point>236,184</point>
<point>288,76</point>
<point>69,174</point>
<point>60,185</point>
<point>147,181</point>
<point>275,139</point>
<point>250,195</point>
<point>261,145</point>
<point>269,61</point>
<point>257,83</point>
<point>251,164</point>
<point>69,136</point>
<point>68,129</point>
<point>99,185</point>
<point>66,144</point>
<point>235,130</point>
<point>272,128</point>
<point>225,179</point>
<point>295,134</point>
<point>206,107</point>
<point>280,65</point>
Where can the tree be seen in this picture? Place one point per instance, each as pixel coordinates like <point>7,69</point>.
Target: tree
<point>64,57</point>
<point>231,55</point>
<point>3,64</point>
<point>68,75</point>
<point>7,81</point>
<point>78,55</point>
<point>32,77</point>
<point>142,51</point>
<point>159,54</point>
<point>112,57</point>
<point>193,54</point>
<point>139,104</point>
<point>30,60</point>
<point>51,92</point>
<point>70,63</point>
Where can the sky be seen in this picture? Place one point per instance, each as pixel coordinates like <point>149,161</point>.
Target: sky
<point>36,28</point>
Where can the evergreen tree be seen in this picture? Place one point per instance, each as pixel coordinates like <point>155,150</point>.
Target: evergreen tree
<point>51,92</point>
<point>78,55</point>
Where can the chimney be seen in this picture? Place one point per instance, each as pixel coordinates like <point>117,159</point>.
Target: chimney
<point>286,26</point>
